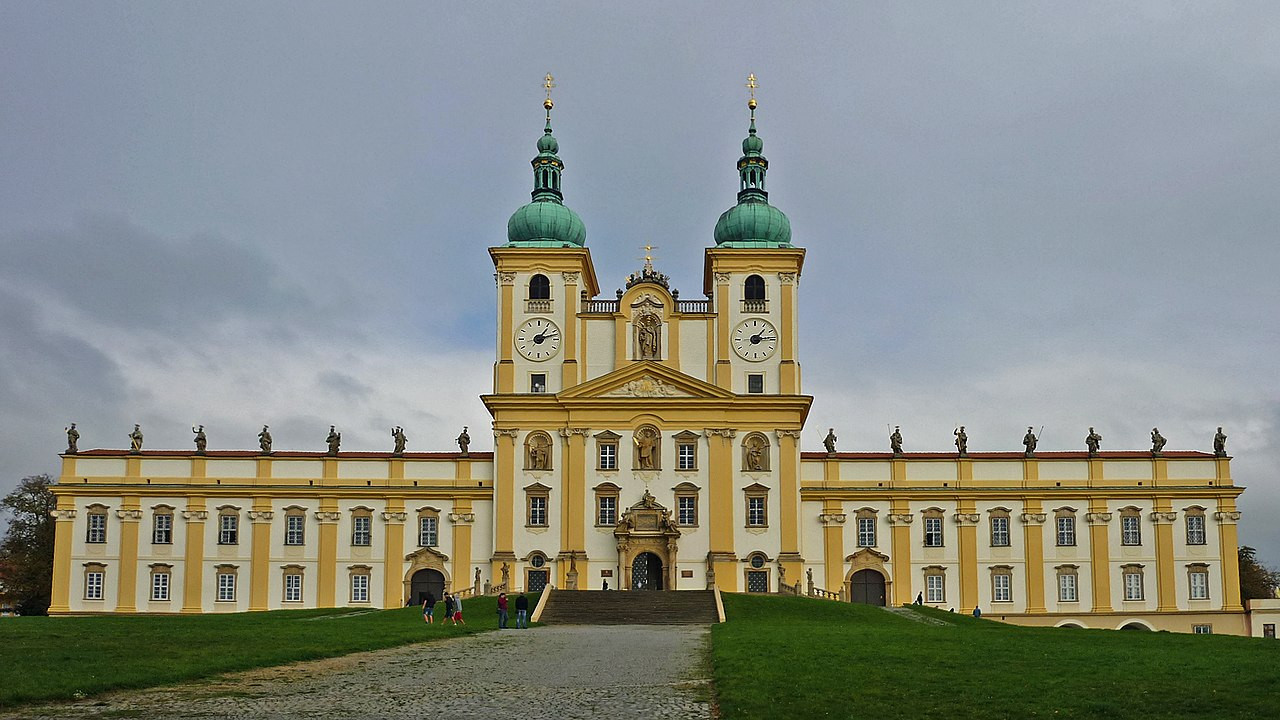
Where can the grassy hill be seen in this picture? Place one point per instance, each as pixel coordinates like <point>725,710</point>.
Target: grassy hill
<point>796,657</point>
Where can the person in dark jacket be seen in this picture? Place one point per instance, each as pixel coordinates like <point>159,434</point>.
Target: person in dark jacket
<point>428,608</point>
<point>448,608</point>
<point>522,612</point>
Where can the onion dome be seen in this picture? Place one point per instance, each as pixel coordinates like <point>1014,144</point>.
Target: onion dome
<point>753,222</point>
<point>546,221</point>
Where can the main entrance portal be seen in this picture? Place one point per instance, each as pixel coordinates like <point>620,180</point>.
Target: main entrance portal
<point>425,581</point>
<point>867,587</point>
<point>646,572</point>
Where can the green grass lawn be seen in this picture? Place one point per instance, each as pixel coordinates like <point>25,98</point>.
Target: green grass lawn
<point>44,659</point>
<point>796,657</point>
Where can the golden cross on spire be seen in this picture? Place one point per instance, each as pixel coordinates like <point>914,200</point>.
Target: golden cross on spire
<point>648,255</point>
<point>548,83</point>
<point>751,87</point>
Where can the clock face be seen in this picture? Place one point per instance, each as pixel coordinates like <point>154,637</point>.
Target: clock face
<point>755,340</point>
<point>538,339</point>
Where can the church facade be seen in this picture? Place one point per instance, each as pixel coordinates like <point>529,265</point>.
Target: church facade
<point>650,441</point>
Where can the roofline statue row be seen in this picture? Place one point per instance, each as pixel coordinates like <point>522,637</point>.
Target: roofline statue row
<point>333,440</point>
<point>1093,442</point>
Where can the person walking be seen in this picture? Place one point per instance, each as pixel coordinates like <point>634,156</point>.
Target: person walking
<point>502,611</point>
<point>448,608</point>
<point>457,610</point>
<point>428,608</point>
<point>522,612</point>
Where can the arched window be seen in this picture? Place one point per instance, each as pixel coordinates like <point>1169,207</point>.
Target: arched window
<point>753,288</point>
<point>539,287</point>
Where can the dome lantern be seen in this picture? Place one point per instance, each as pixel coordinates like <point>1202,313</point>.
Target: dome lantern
<point>546,221</point>
<point>753,222</point>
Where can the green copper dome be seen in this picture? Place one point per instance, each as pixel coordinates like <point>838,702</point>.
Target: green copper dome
<point>546,222</point>
<point>753,222</point>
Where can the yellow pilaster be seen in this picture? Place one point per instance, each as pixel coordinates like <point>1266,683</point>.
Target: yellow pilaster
<point>967,531</point>
<point>194,515</point>
<point>130,514</point>
<point>832,530</point>
<point>462,576</point>
<point>393,549</point>
<point>504,376</point>
<point>724,371</point>
<point>327,555</point>
<point>620,337</point>
<point>788,368</point>
<point>64,529</point>
<point>720,514</point>
<point>569,369</point>
<point>1228,545</point>
<point>260,569</point>
<point>573,536</point>
<point>900,518</point>
<point>671,357</point>
<point>1033,519</point>
<point>504,496</point>
<point>1099,519</point>
<point>1163,516</point>
<point>789,502</point>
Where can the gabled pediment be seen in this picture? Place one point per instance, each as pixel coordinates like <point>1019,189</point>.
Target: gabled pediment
<point>646,379</point>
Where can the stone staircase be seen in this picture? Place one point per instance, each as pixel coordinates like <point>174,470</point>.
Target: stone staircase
<point>612,607</point>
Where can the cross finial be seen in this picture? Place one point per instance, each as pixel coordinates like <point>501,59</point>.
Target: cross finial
<point>751,87</point>
<point>548,82</point>
<point>648,255</point>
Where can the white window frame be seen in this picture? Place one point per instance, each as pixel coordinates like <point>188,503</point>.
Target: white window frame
<point>1201,629</point>
<point>538,510</point>
<point>428,531</point>
<point>361,530</point>
<point>606,509</point>
<point>757,511</point>
<point>686,456</point>
<point>1068,587</point>
<point>226,587</point>
<point>866,531</point>
<point>1196,529</point>
<point>295,530</point>
<point>94,581</point>
<point>1065,527</point>
<point>999,531</point>
<point>1131,530</point>
<point>687,510</point>
<point>228,529</point>
<point>755,378</point>
<point>97,530</point>
<point>1198,583</point>
<point>293,587</point>
<point>933,532</point>
<point>162,528</point>
<point>1133,585</point>
<point>160,585</point>
<point>1002,587</point>
<point>608,456</point>
<point>360,587</point>
<point>536,387</point>
<point>935,588</point>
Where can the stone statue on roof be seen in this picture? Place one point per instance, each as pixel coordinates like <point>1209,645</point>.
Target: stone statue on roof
<point>334,440</point>
<point>1219,442</point>
<point>201,441</point>
<point>1029,441</point>
<point>135,439</point>
<point>464,440</point>
<point>962,441</point>
<point>1157,441</point>
<point>1093,441</point>
<point>73,439</point>
<point>397,432</point>
<point>264,440</point>
<point>830,441</point>
<point>895,440</point>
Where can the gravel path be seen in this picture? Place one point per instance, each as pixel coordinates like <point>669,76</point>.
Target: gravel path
<point>627,671</point>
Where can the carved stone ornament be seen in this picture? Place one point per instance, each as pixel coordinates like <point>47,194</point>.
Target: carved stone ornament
<point>647,328</point>
<point>325,517</point>
<point>1227,518</point>
<point>568,432</point>
<point>794,434</point>
<point>787,278</point>
<point>720,432</point>
<point>261,516</point>
<point>1097,518</point>
<point>1034,518</point>
<point>195,515</point>
<point>462,517</point>
<point>63,514</point>
<point>570,278</point>
<point>828,519</point>
<point>505,278</point>
<point>722,278</point>
<point>512,433</point>
<point>1163,518</point>
<point>129,515</point>
<point>395,517</point>
<point>900,519</point>
<point>647,386</point>
<point>966,518</point>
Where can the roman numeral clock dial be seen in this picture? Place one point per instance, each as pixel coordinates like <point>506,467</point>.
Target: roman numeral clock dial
<point>755,340</point>
<point>538,339</point>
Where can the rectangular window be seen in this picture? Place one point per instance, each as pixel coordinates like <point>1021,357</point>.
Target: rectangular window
<point>1195,530</point>
<point>686,456</point>
<point>1066,531</point>
<point>293,588</point>
<point>537,510</point>
<point>1130,530</point>
<point>293,526</point>
<point>359,588</point>
<point>162,529</point>
<point>866,532</point>
<point>687,510</point>
<point>93,585</point>
<point>1132,586</point>
<point>428,531</point>
<point>933,532</point>
<point>999,531</point>
<point>538,383</point>
<point>1002,588</point>
<point>226,587</point>
<point>608,456</point>
<point>97,528</point>
<point>1202,629</point>
<point>755,512</point>
<point>1067,588</point>
<point>608,510</point>
<point>227,527</point>
<point>1200,585</point>
<point>160,586</point>
<point>934,589</point>
<point>1269,630</point>
<point>755,383</point>
<point>362,530</point>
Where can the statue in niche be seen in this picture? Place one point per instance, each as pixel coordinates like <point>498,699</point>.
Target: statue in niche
<point>1093,441</point>
<point>1029,441</point>
<point>397,433</point>
<point>1157,441</point>
<point>895,441</point>
<point>135,439</point>
<point>649,337</point>
<point>646,442</point>
<point>830,441</point>
<point>264,440</point>
<point>756,457</point>
<point>201,441</point>
<point>73,439</point>
<point>506,574</point>
<point>464,440</point>
<point>334,440</point>
<point>539,452</point>
<point>1219,442</point>
<point>962,441</point>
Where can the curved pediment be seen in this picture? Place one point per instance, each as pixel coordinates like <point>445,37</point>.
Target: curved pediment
<point>427,556</point>
<point>646,518</point>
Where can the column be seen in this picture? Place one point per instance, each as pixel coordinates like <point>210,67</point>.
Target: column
<point>64,518</point>
<point>260,517</point>
<point>1033,519</point>
<point>788,368</point>
<point>569,368</point>
<point>462,519</point>
<point>393,519</point>
<point>832,520</point>
<point>195,515</point>
<point>574,487</point>
<point>1229,548</point>
<point>966,519</point>
<point>327,557</point>
<point>720,508</point>
<point>504,372</point>
<point>130,513</point>
<point>789,502</point>
<point>900,518</point>
<point>724,370</point>
<point>1098,520</point>
<point>504,500</point>
<point>1166,588</point>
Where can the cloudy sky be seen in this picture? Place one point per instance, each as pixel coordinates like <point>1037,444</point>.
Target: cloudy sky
<point>1057,214</point>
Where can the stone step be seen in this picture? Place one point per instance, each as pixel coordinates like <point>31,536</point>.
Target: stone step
<point>610,607</point>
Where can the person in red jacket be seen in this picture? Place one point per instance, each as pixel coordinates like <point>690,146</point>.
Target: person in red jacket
<point>502,611</point>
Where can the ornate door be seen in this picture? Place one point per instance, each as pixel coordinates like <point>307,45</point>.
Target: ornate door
<point>646,572</point>
<point>867,587</point>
